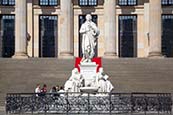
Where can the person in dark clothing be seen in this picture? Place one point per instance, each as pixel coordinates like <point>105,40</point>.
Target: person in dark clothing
<point>44,90</point>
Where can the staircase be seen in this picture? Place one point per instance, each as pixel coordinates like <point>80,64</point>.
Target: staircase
<point>24,75</point>
<point>140,75</point>
<point>127,75</point>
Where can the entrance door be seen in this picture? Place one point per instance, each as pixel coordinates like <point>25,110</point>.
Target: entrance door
<point>7,35</point>
<point>127,36</point>
<point>81,21</point>
<point>48,36</point>
<point>167,35</point>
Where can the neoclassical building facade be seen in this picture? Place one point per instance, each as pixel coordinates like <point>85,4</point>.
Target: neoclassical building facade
<point>50,28</point>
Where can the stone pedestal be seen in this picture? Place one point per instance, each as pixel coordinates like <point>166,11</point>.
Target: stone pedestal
<point>88,71</point>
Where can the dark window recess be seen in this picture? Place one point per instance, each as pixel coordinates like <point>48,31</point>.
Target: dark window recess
<point>81,21</point>
<point>128,36</point>
<point>167,2</point>
<point>7,35</point>
<point>48,2</point>
<point>7,2</point>
<point>48,36</point>
<point>127,2</point>
<point>167,36</point>
<point>88,2</point>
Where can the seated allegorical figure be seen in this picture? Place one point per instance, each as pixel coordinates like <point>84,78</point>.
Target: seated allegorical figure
<point>75,82</point>
<point>104,85</point>
<point>68,86</point>
<point>109,86</point>
<point>101,85</point>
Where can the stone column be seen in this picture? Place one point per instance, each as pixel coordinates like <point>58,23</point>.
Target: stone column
<point>30,29</point>
<point>66,32</point>
<point>20,29</point>
<point>110,31</point>
<point>1,32</point>
<point>155,28</point>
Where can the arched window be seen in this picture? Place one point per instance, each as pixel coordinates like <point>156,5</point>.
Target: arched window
<point>88,2</point>
<point>48,2</point>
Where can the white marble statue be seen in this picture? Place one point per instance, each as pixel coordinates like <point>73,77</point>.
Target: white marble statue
<point>90,34</point>
<point>108,84</point>
<point>68,85</point>
<point>74,82</point>
<point>100,73</point>
<point>104,85</point>
<point>99,82</point>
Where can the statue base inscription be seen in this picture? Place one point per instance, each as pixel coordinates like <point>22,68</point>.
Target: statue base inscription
<point>88,71</point>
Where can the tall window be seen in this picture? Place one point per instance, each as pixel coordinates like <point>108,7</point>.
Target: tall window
<point>7,35</point>
<point>127,2</point>
<point>7,2</point>
<point>48,36</point>
<point>48,2</point>
<point>127,36</point>
<point>167,2</point>
<point>88,2</point>
<point>167,36</point>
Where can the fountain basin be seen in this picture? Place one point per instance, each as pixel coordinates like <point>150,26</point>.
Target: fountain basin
<point>89,89</point>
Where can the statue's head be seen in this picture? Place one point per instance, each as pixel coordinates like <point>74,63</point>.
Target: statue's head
<point>75,71</point>
<point>106,77</point>
<point>101,70</point>
<point>88,17</point>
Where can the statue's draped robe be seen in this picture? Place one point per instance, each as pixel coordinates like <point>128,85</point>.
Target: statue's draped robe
<point>89,33</point>
<point>74,82</point>
<point>109,86</point>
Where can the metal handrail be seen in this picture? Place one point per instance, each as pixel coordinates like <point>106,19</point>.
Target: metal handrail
<point>106,103</point>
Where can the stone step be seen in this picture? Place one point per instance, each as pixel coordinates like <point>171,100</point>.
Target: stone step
<point>127,74</point>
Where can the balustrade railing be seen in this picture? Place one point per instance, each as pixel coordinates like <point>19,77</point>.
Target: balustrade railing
<point>86,103</point>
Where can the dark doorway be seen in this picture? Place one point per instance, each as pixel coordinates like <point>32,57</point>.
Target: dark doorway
<point>127,36</point>
<point>48,36</point>
<point>7,35</point>
<point>167,35</point>
<point>81,21</point>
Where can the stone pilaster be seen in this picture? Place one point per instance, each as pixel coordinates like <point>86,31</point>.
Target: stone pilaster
<point>20,29</point>
<point>1,32</point>
<point>155,28</point>
<point>66,24</point>
<point>30,29</point>
<point>110,31</point>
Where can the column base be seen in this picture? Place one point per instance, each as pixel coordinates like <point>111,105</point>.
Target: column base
<point>66,55</point>
<point>20,55</point>
<point>110,55</point>
<point>155,55</point>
